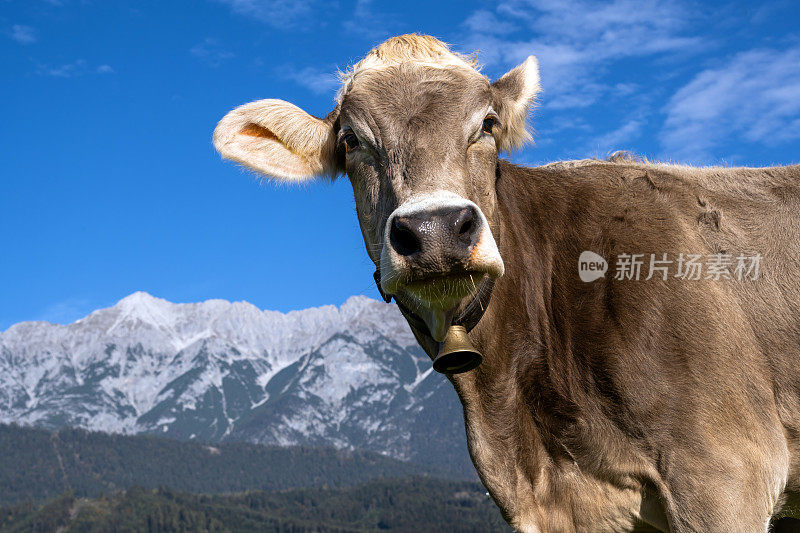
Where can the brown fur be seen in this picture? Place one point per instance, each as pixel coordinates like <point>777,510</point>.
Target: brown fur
<point>594,394</point>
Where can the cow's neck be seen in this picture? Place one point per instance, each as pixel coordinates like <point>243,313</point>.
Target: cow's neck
<point>524,340</point>
<point>516,402</point>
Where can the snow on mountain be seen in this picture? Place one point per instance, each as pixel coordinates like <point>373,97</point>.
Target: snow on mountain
<point>351,377</point>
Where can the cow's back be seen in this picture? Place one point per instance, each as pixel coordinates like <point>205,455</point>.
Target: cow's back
<point>748,212</point>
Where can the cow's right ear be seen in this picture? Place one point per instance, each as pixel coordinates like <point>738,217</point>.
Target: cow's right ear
<point>516,91</point>
<point>278,139</point>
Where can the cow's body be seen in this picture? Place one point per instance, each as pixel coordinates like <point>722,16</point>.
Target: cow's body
<point>597,402</point>
<point>606,405</point>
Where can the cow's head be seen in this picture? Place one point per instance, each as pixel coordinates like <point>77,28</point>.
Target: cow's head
<point>417,129</point>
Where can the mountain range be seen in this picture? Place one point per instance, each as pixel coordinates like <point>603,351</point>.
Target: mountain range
<point>351,377</point>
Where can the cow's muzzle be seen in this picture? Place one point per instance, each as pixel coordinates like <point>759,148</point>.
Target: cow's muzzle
<point>437,249</point>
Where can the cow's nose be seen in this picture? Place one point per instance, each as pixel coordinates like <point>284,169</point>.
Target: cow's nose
<point>449,232</point>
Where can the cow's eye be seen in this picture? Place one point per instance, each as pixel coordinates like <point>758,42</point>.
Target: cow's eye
<point>350,141</point>
<point>488,125</point>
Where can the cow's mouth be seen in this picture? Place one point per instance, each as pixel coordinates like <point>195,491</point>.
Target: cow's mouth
<point>444,288</point>
<point>437,297</point>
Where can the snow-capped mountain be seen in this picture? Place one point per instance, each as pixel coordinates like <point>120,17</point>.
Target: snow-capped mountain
<point>351,377</point>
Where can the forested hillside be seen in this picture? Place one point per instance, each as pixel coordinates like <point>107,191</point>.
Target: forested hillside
<point>415,504</point>
<point>38,465</point>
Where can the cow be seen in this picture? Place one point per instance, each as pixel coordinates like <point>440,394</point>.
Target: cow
<point>616,403</point>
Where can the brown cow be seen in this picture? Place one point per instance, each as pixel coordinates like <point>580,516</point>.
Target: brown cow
<point>663,404</point>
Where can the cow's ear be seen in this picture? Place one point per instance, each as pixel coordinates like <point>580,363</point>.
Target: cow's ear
<point>278,139</point>
<point>515,94</point>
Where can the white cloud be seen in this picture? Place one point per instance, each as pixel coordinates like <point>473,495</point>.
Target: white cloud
<point>620,138</point>
<point>318,81</point>
<point>626,89</point>
<point>576,40</point>
<point>487,22</point>
<point>754,98</point>
<point>365,21</point>
<point>67,70</point>
<point>277,13</point>
<point>211,52</point>
<point>79,67</point>
<point>23,34</point>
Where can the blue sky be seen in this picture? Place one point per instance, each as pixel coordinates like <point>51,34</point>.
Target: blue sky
<point>110,183</point>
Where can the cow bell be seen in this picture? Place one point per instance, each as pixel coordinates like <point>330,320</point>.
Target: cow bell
<point>456,353</point>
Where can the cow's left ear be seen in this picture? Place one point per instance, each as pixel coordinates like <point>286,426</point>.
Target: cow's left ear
<point>278,139</point>
<point>515,93</point>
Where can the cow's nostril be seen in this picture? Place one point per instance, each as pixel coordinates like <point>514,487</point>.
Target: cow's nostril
<point>464,224</point>
<point>403,238</point>
<point>427,235</point>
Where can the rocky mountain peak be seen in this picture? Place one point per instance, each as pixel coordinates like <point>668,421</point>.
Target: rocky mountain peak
<point>350,376</point>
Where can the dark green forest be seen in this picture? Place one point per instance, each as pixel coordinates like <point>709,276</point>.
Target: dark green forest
<point>76,480</point>
<point>415,504</point>
<point>38,465</point>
